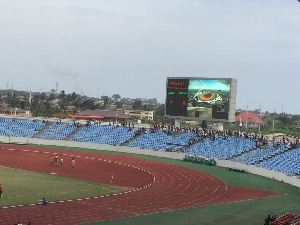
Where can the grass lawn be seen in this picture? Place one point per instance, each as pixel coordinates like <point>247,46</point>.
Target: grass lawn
<point>23,187</point>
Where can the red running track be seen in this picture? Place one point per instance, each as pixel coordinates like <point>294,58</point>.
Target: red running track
<point>154,187</point>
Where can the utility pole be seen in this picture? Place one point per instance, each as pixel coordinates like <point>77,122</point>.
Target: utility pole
<point>259,119</point>
<point>247,118</point>
<point>273,120</point>
<point>12,98</point>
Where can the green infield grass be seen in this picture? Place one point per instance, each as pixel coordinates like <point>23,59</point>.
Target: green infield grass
<point>24,187</point>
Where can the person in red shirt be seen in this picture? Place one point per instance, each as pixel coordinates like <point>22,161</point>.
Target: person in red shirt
<point>0,190</point>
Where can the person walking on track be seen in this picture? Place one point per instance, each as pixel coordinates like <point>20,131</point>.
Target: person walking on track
<point>56,160</point>
<point>0,190</point>
<point>51,160</point>
<point>73,164</point>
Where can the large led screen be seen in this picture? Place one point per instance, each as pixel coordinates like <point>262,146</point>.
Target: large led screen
<point>201,98</point>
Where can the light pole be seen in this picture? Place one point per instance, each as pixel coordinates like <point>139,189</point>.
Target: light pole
<point>273,120</point>
<point>28,117</point>
<point>10,124</point>
<point>240,125</point>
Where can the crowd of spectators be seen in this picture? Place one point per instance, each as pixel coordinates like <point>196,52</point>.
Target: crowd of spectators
<point>286,142</point>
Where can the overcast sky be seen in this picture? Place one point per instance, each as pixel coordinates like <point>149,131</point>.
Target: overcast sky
<point>104,47</point>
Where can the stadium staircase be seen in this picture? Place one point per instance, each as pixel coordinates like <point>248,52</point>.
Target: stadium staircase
<point>68,138</point>
<point>178,134</point>
<point>42,130</point>
<point>57,131</point>
<point>239,154</point>
<point>253,156</point>
<point>132,139</point>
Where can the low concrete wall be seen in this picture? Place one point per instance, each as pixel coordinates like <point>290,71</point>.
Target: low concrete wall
<point>172,155</point>
<point>260,171</point>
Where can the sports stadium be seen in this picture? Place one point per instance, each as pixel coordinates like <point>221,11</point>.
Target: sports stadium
<point>122,174</point>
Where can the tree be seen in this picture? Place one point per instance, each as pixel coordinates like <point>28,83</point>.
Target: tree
<point>137,104</point>
<point>116,97</point>
<point>119,105</point>
<point>88,104</point>
<point>145,107</point>
<point>106,101</point>
<point>204,124</point>
<point>159,116</point>
<point>62,102</point>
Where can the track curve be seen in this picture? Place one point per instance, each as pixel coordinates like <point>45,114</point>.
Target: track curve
<point>154,187</point>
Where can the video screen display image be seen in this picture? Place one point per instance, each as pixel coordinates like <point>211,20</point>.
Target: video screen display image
<point>202,98</point>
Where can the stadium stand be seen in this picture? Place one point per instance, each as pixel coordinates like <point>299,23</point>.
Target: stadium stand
<point>202,145</point>
<point>287,162</point>
<point>64,131</point>
<point>51,131</point>
<point>258,154</point>
<point>221,148</point>
<point>248,155</point>
<point>159,140</point>
<point>19,127</point>
<point>102,134</point>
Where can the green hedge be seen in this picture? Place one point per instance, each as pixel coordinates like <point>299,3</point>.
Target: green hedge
<point>200,160</point>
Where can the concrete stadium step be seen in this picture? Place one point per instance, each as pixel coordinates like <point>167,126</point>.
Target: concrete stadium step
<point>43,130</point>
<point>74,133</point>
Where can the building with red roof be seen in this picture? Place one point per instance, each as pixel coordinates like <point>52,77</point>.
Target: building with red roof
<point>106,114</point>
<point>250,118</point>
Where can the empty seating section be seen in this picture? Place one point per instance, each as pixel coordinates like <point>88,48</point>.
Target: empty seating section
<point>65,131</point>
<point>20,128</point>
<point>287,163</point>
<point>247,158</point>
<point>51,131</point>
<point>264,155</point>
<point>220,148</point>
<point>102,134</point>
<point>159,140</point>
